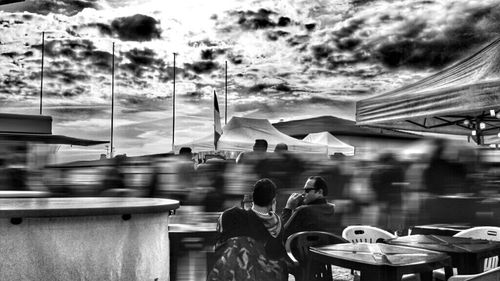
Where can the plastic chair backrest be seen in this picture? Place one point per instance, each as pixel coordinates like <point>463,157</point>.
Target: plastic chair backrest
<point>491,275</point>
<point>365,234</point>
<point>297,245</point>
<point>491,233</point>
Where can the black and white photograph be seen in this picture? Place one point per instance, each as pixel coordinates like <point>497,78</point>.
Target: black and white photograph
<point>249,140</point>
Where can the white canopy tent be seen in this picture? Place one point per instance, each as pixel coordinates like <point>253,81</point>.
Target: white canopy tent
<point>457,100</point>
<point>333,144</point>
<point>240,135</point>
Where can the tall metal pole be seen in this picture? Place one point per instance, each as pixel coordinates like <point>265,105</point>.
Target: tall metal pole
<point>112,98</point>
<point>225,111</point>
<point>41,73</point>
<point>173,112</point>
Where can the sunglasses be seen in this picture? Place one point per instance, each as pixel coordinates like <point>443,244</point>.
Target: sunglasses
<point>306,190</point>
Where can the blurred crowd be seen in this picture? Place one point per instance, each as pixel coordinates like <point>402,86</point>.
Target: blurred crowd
<point>386,191</point>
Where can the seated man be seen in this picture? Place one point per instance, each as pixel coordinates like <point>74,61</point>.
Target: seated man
<point>249,243</point>
<point>315,213</point>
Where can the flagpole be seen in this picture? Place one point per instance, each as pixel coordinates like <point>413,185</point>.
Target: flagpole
<point>112,97</point>
<point>225,111</point>
<point>41,73</point>
<point>217,126</point>
<point>173,112</point>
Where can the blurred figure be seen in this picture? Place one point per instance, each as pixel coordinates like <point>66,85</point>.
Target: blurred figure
<point>176,176</point>
<point>253,236</point>
<point>210,178</point>
<point>259,150</point>
<point>114,178</point>
<point>246,171</point>
<point>387,181</point>
<point>444,176</point>
<point>284,169</point>
<point>16,174</point>
<point>309,210</point>
<point>335,176</point>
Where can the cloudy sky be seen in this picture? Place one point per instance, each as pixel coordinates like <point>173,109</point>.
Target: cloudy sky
<point>287,59</point>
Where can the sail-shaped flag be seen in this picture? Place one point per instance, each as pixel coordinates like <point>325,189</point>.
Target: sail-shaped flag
<point>217,124</point>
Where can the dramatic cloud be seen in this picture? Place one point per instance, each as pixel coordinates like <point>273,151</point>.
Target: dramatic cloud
<point>286,59</point>
<point>137,28</point>
<point>417,34</point>
<point>65,7</point>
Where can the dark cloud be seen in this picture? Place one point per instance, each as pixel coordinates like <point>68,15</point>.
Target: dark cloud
<point>284,21</point>
<point>74,49</point>
<point>10,81</point>
<point>283,87</point>
<point>310,26</point>
<point>348,43</point>
<point>256,20</point>
<point>321,51</point>
<point>274,35</point>
<point>266,87</point>
<point>144,57</point>
<point>207,54</point>
<point>10,54</point>
<point>135,69</point>
<point>235,58</point>
<point>259,87</point>
<point>456,42</point>
<point>78,51</point>
<point>137,28</point>
<point>204,66</point>
<point>66,76</point>
<point>142,62</point>
<point>74,92</point>
<point>205,42</point>
<point>65,7</point>
<point>210,54</point>
<point>298,40</point>
<point>101,59</point>
<point>466,30</point>
<point>76,112</point>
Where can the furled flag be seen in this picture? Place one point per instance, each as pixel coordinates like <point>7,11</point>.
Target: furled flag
<point>217,124</point>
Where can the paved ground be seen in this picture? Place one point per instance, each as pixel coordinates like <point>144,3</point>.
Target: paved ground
<point>339,274</point>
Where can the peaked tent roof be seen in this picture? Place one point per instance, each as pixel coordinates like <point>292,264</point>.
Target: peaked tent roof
<point>240,135</point>
<point>442,102</point>
<point>333,144</point>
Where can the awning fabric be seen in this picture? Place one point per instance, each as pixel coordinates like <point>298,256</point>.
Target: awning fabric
<point>453,101</point>
<point>333,144</point>
<point>49,138</point>
<point>240,135</point>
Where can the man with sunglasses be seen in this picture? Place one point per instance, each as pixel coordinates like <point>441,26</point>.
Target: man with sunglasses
<point>309,210</point>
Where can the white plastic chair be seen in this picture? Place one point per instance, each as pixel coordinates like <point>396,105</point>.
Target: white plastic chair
<point>365,234</point>
<point>492,275</point>
<point>491,233</point>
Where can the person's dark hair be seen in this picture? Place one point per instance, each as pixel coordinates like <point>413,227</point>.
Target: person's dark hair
<point>264,191</point>
<point>185,151</point>
<point>260,145</point>
<point>320,183</point>
<point>281,147</point>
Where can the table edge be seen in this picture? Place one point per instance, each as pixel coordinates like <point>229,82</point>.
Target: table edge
<point>159,207</point>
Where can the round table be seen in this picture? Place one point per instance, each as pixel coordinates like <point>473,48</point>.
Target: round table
<point>23,194</point>
<point>85,238</point>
